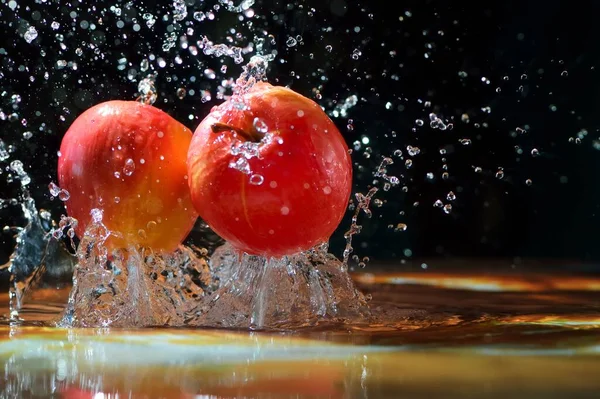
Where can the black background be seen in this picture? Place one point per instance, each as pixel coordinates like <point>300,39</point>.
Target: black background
<point>540,57</point>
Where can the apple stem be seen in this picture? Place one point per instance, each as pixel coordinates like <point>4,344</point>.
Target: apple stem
<point>252,136</point>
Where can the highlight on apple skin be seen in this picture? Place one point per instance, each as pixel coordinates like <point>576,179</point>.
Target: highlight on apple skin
<point>270,172</point>
<point>129,160</point>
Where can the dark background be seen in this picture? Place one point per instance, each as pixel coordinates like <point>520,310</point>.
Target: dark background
<point>533,63</point>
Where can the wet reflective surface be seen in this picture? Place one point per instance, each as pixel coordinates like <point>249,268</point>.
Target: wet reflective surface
<point>432,334</point>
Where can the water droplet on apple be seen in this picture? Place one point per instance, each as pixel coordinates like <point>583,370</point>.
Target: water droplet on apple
<point>260,126</point>
<point>129,167</point>
<point>256,179</point>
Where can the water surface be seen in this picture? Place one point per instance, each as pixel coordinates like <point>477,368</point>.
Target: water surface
<point>433,334</point>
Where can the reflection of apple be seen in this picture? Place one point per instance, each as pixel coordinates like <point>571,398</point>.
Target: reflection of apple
<point>287,196</point>
<point>128,159</point>
<point>73,392</point>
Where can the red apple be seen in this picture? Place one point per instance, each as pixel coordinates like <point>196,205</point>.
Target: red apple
<point>129,159</point>
<point>289,191</point>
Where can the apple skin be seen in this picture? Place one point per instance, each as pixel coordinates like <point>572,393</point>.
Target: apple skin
<point>306,170</point>
<point>129,160</point>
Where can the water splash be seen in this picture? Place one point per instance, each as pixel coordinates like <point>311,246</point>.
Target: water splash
<point>302,290</point>
<point>179,10</point>
<point>243,6</point>
<point>4,154</point>
<point>341,109</point>
<point>141,288</point>
<point>363,204</point>
<point>135,287</point>
<point>254,71</point>
<point>220,49</point>
<point>36,254</point>
<point>138,287</point>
